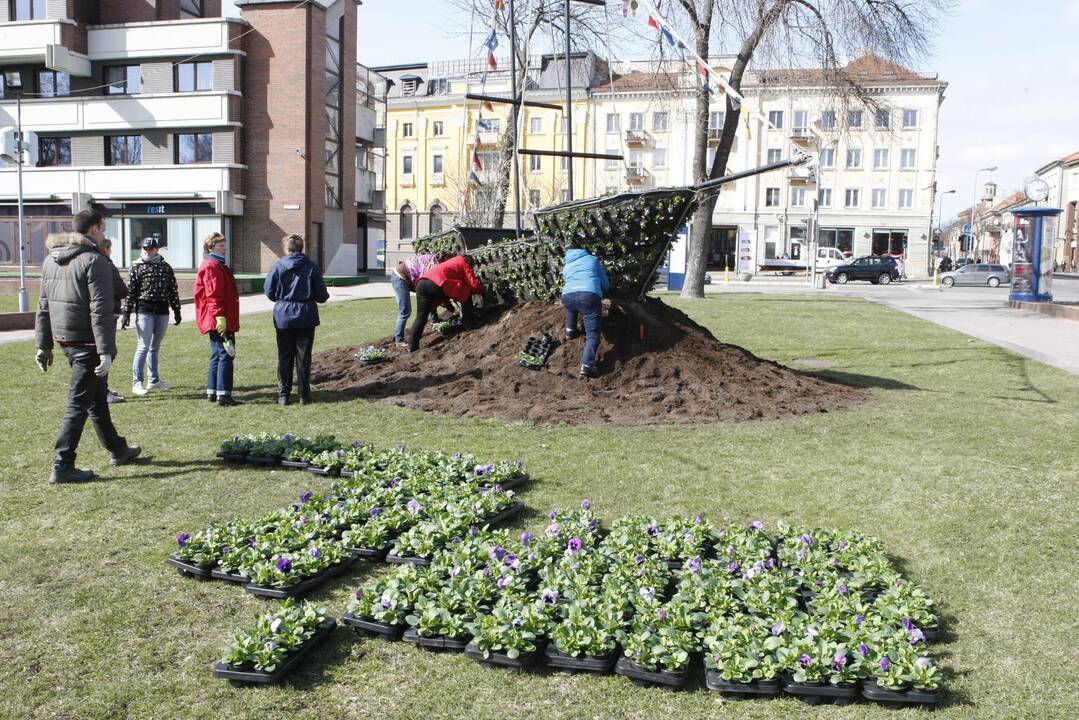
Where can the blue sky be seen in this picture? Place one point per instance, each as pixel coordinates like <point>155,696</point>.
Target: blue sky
<point>1012,71</point>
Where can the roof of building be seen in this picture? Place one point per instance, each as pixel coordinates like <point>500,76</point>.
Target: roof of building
<point>867,68</point>
<point>637,80</point>
<point>1016,198</point>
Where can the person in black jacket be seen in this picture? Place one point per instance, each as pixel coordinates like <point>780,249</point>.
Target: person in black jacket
<point>295,285</point>
<point>152,292</point>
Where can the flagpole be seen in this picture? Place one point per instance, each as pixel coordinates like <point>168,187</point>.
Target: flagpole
<point>569,106</point>
<point>513,119</point>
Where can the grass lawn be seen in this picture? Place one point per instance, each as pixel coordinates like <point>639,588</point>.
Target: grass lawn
<point>10,303</point>
<point>965,463</point>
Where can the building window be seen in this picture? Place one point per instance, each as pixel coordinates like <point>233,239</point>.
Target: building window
<point>53,84</point>
<point>491,125</point>
<point>880,159</point>
<point>406,129</point>
<point>824,197</point>
<point>636,158</point>
<point>436,164</point>
<point>636,121</point>
<point>194,148</point>
<point>611,163</point>
<point>854,158</point>
<point>906,199</point>
<point>771,197</point>
<point>53,151</point>
<point>852,198</point>
<point>827,158</point>
<point>191,9</point>
<point>715,120</point>
<point>535,163</point>
<point>775,119</point>
<point>406,165</point>
<point>880,198</point>
<point>798,197</point>
<point>801,120</point>
<point>535,125</point>
<point>883,119</point>
<point>659,121</point>
<point>908,158</point>
<point>614,123</point>
<point>27,10</point>
<point>774,155</point>
<point>854,119</point>
<point>438,86</point>
<point>407,217</point>
<point>840,238</point>
<point>436,217</point>
<point>438,128</point>
<point>123,79</point>
<point>123,150</point>
<point>659,157</point>
<point>194,76</point>
<point>534,199</point>
<point>827,120</point>
<point>910,118</point>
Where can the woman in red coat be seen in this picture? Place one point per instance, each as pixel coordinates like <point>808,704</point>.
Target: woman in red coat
<point>217,312</point>
<point>449,280</point>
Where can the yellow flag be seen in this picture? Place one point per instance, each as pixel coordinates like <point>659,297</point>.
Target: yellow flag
<point>745,118</point>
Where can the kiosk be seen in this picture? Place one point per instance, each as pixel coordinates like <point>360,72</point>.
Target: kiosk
<point>1032,255</point>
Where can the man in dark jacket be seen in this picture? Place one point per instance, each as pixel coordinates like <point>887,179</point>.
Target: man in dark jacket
<point>295,285</point>
<point>76,309</point>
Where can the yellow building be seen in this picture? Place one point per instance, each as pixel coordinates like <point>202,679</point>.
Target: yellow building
<point>432,131</point>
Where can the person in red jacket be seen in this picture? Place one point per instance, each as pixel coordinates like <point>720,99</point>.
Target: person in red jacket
<point>449,280</point>
<point>217,312</point>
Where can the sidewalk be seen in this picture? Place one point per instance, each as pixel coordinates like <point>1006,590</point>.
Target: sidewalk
<point>378,287</point>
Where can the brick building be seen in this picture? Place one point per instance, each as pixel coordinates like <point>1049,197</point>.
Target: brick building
<point>176,122</point>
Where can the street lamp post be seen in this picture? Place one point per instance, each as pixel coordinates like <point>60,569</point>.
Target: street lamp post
<point>13,80</point>
<point>940,212</point>
<point>974,207</point>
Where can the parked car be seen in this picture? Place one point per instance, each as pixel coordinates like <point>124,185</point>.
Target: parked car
<point>874,268</point>
<point>962,261</point>
<point>977,274</point>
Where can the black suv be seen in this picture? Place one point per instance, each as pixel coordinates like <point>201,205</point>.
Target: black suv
<point>874,268</point>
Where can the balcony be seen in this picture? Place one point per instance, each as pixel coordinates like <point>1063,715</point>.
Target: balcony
<point>122,112</point>
<point>212,36</point>
<point>637,138</point>
<point>41,43</point>
<point>637,176</point>
<point>801,175</point>
<point>366,184</point>
<point>127,182</point>
<point>365,124</point>
<point>490,138</point>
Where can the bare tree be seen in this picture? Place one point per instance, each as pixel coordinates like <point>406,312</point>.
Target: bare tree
<point>819,34</point>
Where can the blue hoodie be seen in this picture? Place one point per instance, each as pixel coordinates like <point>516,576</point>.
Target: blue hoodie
<point>584,273</point>
<point>295,284</point>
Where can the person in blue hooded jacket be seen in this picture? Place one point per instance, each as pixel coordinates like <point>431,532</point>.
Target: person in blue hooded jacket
<point>585,284</point>
<point>295,285</point>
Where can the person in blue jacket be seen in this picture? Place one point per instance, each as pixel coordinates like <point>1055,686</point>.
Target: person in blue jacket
<point>585,284</point>
<point>295,285</point>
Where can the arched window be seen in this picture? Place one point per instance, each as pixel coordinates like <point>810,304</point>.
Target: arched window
<point>406,222</point>
<point>436,218</point>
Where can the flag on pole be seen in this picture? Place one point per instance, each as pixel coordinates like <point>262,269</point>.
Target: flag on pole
<point>500,4</point>
<point>634,5</point>
<point>488,106</point>
<point>477,164</point>
<point>667,36</point>
<point>745,117</point>
<point>702,69</point>
<point>492,45</point>
<point>474,180</point>
<point>708,88</point>
<point>652,22</point>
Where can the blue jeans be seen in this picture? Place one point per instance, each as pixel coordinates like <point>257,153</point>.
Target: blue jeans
<point>220,379</point>
<point>590,307</point>
<point>151,331</point>
<point>404,306</point>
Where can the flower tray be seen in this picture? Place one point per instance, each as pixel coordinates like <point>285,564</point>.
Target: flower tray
<point>510,484</point>
<point>539,348</point>
<point>402,560</point>
<point>598,664</point>
<point>372,628</point>
<point>452,327</point>
<point>500,660</point>
<point>219,574</point>
<point>371,554</point>
<point>324,472</point>
<point>643,677</point>
<point>740,690</point>
<point>932,635</point>
<point>199,572</point>
<point>292,660</point>
<point>820,693</point>
<point>232,457</point>
<point>269,461</point>
<point>308,583</point>
<point>376,361</point>
<point>294,464</point>
<point>512,511</point>
<point>435,644</point>
<point>898,699</point>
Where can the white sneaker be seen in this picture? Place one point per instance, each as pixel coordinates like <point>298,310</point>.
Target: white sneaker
<point>139,389</point>
<point>159,385</point>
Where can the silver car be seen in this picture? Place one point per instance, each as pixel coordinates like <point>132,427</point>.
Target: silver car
<point>977,274</point>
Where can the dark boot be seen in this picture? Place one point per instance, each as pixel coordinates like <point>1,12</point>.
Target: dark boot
<point>62,474</point>
<point>228,401</point>
<point>283,400</point>
<point>132,452</point>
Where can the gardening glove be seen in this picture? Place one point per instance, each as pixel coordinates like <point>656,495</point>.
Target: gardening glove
<point>125,322</point>
<point>44,359</point>
<point>220,324</point>
<point>103,369</point>
<point>176,318</point>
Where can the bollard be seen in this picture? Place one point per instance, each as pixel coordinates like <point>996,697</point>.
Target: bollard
<point>727,274</point>
<point>936,277</point>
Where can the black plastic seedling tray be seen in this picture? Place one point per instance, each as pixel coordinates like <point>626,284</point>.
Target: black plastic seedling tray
<point>820,693</point>
<point>510,512</point>
<point>199,572</point>
<point>540,348</point>
<point>897,699</point>
<point>295,464</point>
<point>237,578</point>
<point>740,690</point>
<point>269,461</point>
<point>509,484</point>
<point>371,554</point>
<point>672,680</point>
<point>599,665</point>
<point>309,583</point>
<point>435,644</point>
<point>259,677</point>
<point>372,628</point>
<point>500,660</point>
<point>407,560</point>
<point>232,457</point>
<point>323,472</point>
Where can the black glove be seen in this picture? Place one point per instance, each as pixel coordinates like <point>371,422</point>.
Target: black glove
<point>176,318</point>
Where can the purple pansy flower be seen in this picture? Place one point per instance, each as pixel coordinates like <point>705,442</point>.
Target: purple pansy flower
<point>859,619</point>
<point>526,538</point>
<point>698,519</point>
<point>275,626</point>
<point>284,564</point>
<point>400,447</point>
<point>182,539</point>
<point>288,437</point>
<point>455,571</point>
<point>455,539</point>
<point>639,559</point>
<point>694,564</point>
<point>586,504</point>
<point>733,568</point>
<point>552,514</point>
<point>252,544</point>
<point>340,454</point>
<point>923,662</point>
<point>552,530</point>
<point>472,529</point>
<point>376,511</point>
<point>592,525</point>
<point>520,464</point>
<point>804,661</point>
<point>502,581</point>
<point>487,572</point>
<point>778,628</point>
<point>661,615</point>
<point>842,590</point>
<point>842,544</point>
<point>648,594</point>
<point>863,649</point>
<point>574,545</point>
<point>807,539</point>
<point>652,530</point>
<point>517,622</point>
<point>357,443</point>
<point>916,636</point>
<point>387,602</point>
<point>756,525</point>
<point>496,553</point>
<point>839,661</point>
<point>316,553</point>
<point>359,594</point>
<point>550,597</point>
<point>908,624</point>
<point>395,482</point>
<point>413,506</point>
<point>885,664</point>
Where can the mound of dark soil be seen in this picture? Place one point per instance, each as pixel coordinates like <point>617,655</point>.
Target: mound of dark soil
<point>658,368</point>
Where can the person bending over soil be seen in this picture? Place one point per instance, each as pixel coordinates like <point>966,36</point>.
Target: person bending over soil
<point>450,280</point>
<point>585,283</point>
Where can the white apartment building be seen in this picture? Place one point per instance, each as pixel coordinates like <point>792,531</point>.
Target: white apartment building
<point>1062,176</point>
